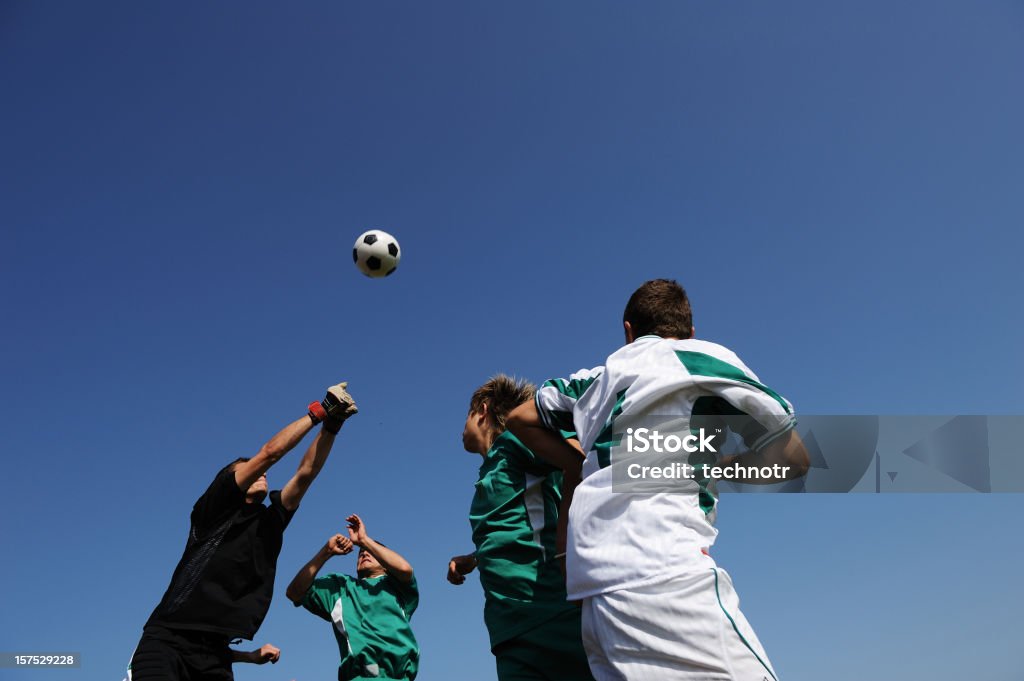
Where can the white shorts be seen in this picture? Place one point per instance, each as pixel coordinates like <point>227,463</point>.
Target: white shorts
<point>687,628</point>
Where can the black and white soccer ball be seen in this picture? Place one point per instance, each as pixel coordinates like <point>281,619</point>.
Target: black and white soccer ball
<point>376,253</point>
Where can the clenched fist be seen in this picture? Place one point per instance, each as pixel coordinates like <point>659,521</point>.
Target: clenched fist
<point>339,545</point>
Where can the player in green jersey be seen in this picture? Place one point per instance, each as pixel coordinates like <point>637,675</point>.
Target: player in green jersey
<point>223,585</point>
<point>534,631</point>
<point>370,612</point>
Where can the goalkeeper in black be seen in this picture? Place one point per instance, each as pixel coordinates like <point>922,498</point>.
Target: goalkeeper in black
<point>222,586</point>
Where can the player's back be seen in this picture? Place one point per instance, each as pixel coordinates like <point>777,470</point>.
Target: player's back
<point>621,537</point>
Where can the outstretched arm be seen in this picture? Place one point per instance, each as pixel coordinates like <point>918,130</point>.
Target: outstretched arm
<point>312,461</point>
<point>391,561</point>
<point>525,423</point>
<point>338,545</point>
<point>787,451</point>
<point>548,445</point>
<point>336,407</point>
<point>248,472</point>
<point>266,653</point>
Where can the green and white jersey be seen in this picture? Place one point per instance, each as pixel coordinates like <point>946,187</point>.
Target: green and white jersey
<point>621,539</point>
<point>514,517</point>
<point>371,624</point>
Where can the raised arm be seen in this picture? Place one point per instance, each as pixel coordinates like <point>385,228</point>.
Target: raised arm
<point>338,545</point>
<point>391,561</point>
<point>312,461</point>
<point>337,406</point>
<point>787,451</point>
<point>248,472</point>
<point>525,423</point>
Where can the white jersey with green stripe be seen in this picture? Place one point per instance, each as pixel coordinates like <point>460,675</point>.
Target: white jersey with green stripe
<point>624,539</point>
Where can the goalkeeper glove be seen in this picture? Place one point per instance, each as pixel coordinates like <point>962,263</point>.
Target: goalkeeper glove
<point>336,406</point>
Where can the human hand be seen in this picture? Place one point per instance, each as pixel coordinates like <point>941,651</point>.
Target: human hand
<point>335,408</point>
<point>339,545</point>
<point>357,530</point>
<point>459,567</point>
<point>266,653</point>
<point>338,403</point>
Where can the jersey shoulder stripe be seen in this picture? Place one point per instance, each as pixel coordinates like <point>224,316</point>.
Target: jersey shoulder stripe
<point>702,364</point>
<point>572,388</point>
<point>557,397</point>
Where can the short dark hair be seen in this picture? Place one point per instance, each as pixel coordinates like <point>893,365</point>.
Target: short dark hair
<point>231,466</point>
<point>502,394</point>
<point>659,307</point>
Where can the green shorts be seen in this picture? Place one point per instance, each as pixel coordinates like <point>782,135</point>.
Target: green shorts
<point>552,651</point>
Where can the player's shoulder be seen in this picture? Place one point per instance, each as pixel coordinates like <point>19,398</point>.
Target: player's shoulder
<point>334,581</point>
<point>506,443</point>
<point>223,484</point>
<point>646,347</point>
<point>510,454</point>
<point>710,359</point>
<point>222,496</point>
<point>401,587</point>
<point>593,372</point>
<point>704,347</point>
<point>576,384</point>
<point>585,376</point>
<point>648,352</point>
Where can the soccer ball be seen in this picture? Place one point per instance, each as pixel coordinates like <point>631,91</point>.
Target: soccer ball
<point>376,253</point>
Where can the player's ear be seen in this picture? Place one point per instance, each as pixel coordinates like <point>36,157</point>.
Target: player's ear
<point>629,332</point>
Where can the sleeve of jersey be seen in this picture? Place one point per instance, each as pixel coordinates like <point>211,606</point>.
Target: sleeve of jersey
<point>323,593</point>
<point>410,595</point>
<point>283,515</point>
<point>522,458</point>
<point>557,398</point>
<point>763,414</point>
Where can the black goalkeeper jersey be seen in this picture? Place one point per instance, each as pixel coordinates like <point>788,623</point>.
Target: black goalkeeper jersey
<point>224,581</point>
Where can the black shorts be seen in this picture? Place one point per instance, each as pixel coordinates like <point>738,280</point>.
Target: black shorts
<point>177,655</point>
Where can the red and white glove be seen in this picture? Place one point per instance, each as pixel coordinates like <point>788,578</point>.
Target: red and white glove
<point>336,406</point>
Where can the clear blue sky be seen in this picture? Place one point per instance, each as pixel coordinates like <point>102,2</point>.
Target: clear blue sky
<point>837,186</point>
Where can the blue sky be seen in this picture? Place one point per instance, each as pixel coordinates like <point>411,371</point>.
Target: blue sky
<point>838,187</point>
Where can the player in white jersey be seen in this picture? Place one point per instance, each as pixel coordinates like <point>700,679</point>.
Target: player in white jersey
<point>655,605</point>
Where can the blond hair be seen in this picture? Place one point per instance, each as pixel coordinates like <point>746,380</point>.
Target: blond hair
<point>502,394</point>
